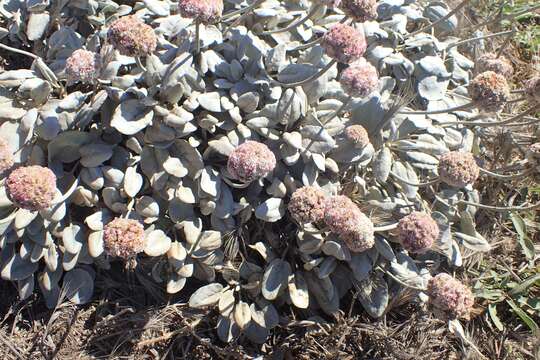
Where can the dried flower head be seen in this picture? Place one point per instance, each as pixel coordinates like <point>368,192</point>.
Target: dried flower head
<point>250,161</point>
<point>6,158</point>
<point>458,169</point>
<point>533,153</point>
<point>417,232</point>
<point>490,62</point>
<point>358,135</point>
<point>123,238</point>
<point>344,43</point>
<point>307,204</point>
<point>450,295</point>
<point>205,11</point>
<point>131,37</point>
<point>31,187</point>
<point>83,66</point>
<point>359,10</point>
<point>360,79</point>
<point>489,91</point>
<point>344,218</point>
<point>532,89</point>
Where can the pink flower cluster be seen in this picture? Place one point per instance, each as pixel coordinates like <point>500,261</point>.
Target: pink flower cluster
<point>344,43</point>
<point>205,11</point>
<point>307,204</point>
<point>490,62</point>
<point>31,187</point>
<point>458,169</point>
<point>6,158</point>
<point>123,238</point>
<point>417,232</point>
<point>83,66</point>
<point>131,37</point>
<point>358,135</point>
<point>450,296</point>
<point>344,218</point>
<point>489,91</point>
<point>359,10</point>
<point>250,161</point>
<point>360,79</point>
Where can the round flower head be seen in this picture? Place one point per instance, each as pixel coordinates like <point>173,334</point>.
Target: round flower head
<point>450,296</point>
<point>458,169</point>
<point>532,89</point>
<point>490,62</point>
<point>489,91</point>
<point>360,79</point>
<point>205,11</point>
<point>250,161</point>
<point>31,187</point>
<point>417,232</point>
<point>358,135</point>
<point>131,37</point>
<point>6,158</point>
<point>344,218</point>
<point>359,10</point>
<point>344,43</point>
<point>307,204</point>
<point>83,66</point>
<point>123,238</point>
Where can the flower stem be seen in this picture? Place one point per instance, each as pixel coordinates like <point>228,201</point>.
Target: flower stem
<point>197,37</point>
<point>450,14</point>
<point>244,12</point>
<point>504,177</point>
<point>399,178</point>
<point>297,23</point>
<point>500,208</point>
<point>462,42</point>
<point>385,227</point>
<point>18,51</point>
<point>507,122</point>
<point>442,111</point>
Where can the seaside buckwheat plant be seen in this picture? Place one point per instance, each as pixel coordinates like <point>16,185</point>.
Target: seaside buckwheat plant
<point>6,158</point>
<point>31,187</point>
<point>307,204</point>
<point>489,91</point>
<point>358,135</point>
<point>250,161</point>
<point>344,218</point>
<point>264,159</point>
<point>458,169</point>
<point>83,66</point>
<point>359,10</point>
<point>344,43</point>
<point>123,238</point>
<point>205,11</point>
<point>132,37</point>
<point>450,296</point>
<point>417,232</point>
<point>360,79</point>
<point>490,62</point>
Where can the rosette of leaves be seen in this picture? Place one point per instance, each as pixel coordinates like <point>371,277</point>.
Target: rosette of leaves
<point>41,244</point>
